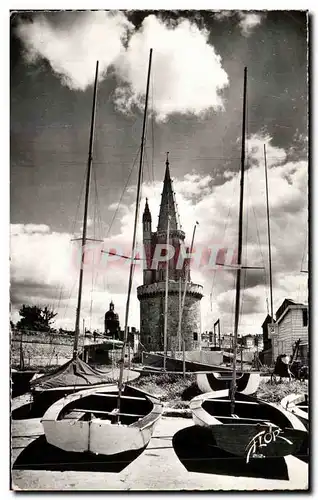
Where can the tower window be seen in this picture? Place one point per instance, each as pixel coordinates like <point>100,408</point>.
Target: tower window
<point>305,317</point>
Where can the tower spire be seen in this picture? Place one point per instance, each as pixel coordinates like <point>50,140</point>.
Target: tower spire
<point>146,217</point>
<point>167,206</point>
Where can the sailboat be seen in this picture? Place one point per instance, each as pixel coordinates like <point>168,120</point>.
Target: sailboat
<point>239,424</point>
<point>74,375</point>
<point>113,419</point>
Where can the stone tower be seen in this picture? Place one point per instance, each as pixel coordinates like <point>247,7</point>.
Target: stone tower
<point>152,293</point>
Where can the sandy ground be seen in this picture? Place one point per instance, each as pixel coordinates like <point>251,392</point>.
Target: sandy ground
<point>157,468</point>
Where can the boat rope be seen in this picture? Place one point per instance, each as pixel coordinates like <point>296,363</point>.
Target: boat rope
<point>123,192</point>
<point>152,130</point>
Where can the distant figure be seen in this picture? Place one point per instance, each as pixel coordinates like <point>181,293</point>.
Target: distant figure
<point>282,368</point>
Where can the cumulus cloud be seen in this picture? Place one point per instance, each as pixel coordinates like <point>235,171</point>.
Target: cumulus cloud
<point>73,48</point>
<point>247,21</point>
<point>216,209</point>
<point>187,72</point>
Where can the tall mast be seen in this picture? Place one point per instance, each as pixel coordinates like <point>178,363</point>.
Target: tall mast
<point>239,250</point>
<point>180,314</point>
<point>269,239</point>
<point>131,270</point>
<point>88,178</point>
<point>183,301</point>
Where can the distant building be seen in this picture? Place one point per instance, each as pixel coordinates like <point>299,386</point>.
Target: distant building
<point>267,343</point>
<point>248,342</point>
<point>112,326</point>
<point>291,324</point>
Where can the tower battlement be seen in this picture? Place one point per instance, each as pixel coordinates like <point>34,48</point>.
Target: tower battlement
<point>159,288</point>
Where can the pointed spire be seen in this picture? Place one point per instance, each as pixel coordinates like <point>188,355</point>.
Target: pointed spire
<point>167,206</point>
<point>146,217</point>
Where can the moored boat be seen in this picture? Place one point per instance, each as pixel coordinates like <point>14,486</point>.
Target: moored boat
<point>246,382</point>
<point>256,430</point>
<point>87,421</point>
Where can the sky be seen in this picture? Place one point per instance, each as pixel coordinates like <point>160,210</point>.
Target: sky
<point>195,113</point>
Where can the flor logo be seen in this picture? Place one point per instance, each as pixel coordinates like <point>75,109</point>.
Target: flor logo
<point>261,440</point>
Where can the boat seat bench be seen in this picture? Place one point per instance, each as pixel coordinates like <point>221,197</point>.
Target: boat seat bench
<point>116,396</point>
<point>113,414</point>
<point>236,402</point>
<point>75,415</point>
<point>221,417</point>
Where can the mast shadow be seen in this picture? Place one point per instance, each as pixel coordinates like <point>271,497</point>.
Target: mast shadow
<point>39,455</point>
<point>197,451</point>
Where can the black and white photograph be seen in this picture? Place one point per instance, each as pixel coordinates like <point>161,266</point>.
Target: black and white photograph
<point>159,250</point>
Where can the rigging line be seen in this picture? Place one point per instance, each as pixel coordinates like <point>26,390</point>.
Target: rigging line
<point>68,299</point>
<point>259,242</point>
<point>97,203</point>
<point>79,203</point>
<point>61,286</point>
<point>123,192</point>
<point>148,167</point>
<point>152,130</point>
<point>227,220</point>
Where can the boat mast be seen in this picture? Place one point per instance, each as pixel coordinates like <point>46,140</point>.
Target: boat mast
<point>239,250</point>
<point>180,314</point>
<point>121,371</point>
<point>88,178</point>
<point>269,240</point>
<point>183,302</point>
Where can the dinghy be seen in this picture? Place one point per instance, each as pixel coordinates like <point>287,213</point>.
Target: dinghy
<point>246,382</point>
<point>298,405</point>
<point>256,430</point>
<point>87,421</point>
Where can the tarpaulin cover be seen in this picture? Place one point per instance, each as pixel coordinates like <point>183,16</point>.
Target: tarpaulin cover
<point>73,373</point>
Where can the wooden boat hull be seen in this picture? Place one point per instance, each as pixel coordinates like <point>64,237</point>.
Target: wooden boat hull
<point>247,383</point>
<point>97,435</point>
<point>241,440</point>
<point>256,430</point>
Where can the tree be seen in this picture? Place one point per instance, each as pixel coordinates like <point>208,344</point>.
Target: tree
<point>36,318</point>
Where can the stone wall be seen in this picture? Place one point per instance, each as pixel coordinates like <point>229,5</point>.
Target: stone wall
<point>152,303</point>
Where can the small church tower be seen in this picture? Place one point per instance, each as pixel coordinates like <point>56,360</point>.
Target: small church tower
<point>152,293</point>
<point>112,326</point>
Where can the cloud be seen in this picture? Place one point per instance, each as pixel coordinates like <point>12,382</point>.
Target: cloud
<point>187,72</point>
<point>247,21</point>
<point>216,209</point>
<point>73,48</point>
